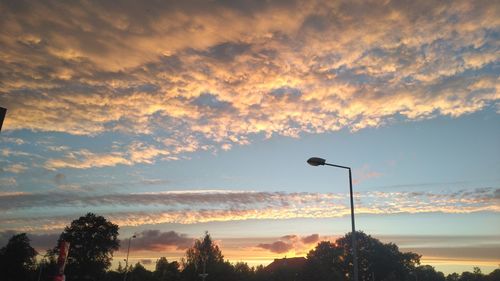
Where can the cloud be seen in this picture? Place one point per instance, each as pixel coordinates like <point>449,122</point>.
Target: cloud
<point>278,247</point>
<point>40,242</point>
<point>15,168</point>
<point>136,153</point>
<point>85,159</point>
<point>290,242</point>
<point>365,173</point>
<point>59,178</point>
<point>8,182</point>
<point>16,141</point>
<point>155,240</point>
<point>195,77</point>
<point>313,238</point>
<point>212,206</point>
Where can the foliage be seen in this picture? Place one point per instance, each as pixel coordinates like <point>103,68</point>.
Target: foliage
<point>93,240</point>
<point>139,273</point>
<point>17,258</point>
<point>376,260</point>
<point>166,271</point>
<point>324,262</point>
<point>206,256</point>
<point>428,273</point>
<point>46,267</point>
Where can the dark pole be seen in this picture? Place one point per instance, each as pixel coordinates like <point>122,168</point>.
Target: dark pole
<point>353,234</point>
<point>315,161</point>
<point>354,241</point>
<point>126,261</point>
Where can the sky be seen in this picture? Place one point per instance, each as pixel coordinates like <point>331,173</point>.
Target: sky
<point>172,118</point>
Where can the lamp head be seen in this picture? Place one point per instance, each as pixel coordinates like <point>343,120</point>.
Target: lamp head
<point>316,161</point>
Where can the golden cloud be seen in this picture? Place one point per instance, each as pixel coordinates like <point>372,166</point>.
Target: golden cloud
<point>214,75</point>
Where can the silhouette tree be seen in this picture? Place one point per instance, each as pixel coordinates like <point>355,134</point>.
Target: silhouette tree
<point>140,273</point>
<point>476,275</point>
<point>324,263</point>
<point>46,268</point>
<point>376,260</point>
<point>494,275</point>
<point>93,240</point>
<point>261,274</point>
<point>166,271</point>
<point>428,273</point>
<point>453,277</point>
<point>17,259</point>
<point>243,272</point>
<point>206,255</point>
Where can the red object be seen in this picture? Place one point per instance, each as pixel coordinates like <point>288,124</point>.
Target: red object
<point>61,260</point>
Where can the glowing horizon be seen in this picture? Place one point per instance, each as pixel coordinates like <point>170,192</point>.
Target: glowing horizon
<point>180,117</point>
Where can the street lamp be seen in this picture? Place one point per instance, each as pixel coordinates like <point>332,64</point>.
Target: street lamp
<point>316,161</point>
<point>126,260</point>
<point>204,274</point>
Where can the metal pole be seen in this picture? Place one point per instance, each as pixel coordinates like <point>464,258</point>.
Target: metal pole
<point>353,235</point>
<point>354,241</point>
<point>40,271</point>
<point>126,261</point>
<point>204,274</point>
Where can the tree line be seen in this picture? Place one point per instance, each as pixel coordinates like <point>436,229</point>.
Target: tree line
<point>93,241</point>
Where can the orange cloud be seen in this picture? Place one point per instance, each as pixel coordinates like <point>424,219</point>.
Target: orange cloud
<point>199,72</point>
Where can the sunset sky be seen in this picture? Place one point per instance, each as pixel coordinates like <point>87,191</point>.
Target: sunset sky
<point>171,118</point>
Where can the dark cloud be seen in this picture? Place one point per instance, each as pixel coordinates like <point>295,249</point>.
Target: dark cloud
<point>289,237</point>
<point>316,22</point>
<point>153,240</point>
<point>204,206</point>
<point>230,199</point>
<point>286,93</point>
<point>313,238</point>
<point>227,51</point>
<point>289,242</point>
<point>477,253</point>
<point>210,101</point>
<point>40,242</point>
<point>59,178</point>
<point>278,247</point>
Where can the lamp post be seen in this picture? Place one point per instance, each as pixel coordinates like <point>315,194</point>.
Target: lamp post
<point>315,161</point>
<point>204,274</point>
<point>126,260</point>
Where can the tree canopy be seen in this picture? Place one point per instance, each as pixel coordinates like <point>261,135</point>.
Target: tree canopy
<point>17,258</point>
<point>324,262</point>
<point>376,260</point>
<point>166,271</point>
<point>206,256</point>
<point>92,240</point>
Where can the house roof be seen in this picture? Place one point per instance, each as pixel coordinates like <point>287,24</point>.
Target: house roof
<point>295,263</point>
